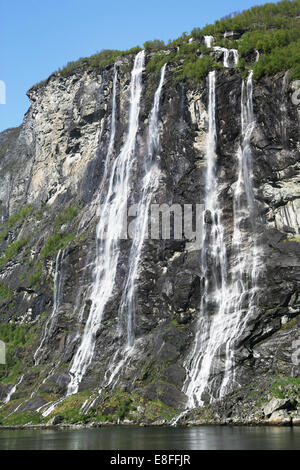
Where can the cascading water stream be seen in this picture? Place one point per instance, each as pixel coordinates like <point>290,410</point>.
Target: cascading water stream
<point>283,108</point>
<point>229,294</point>
<point>208,41</point>
<point>213,266</point>
<point>56,301</point>
<point>109,231</point>
<point>112,133</point>
<point>12,391</point>
<point>246,255</point>
<point>230,56</point>
<point>149,185</point>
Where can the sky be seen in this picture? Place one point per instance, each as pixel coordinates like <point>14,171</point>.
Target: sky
<point>39,36</point>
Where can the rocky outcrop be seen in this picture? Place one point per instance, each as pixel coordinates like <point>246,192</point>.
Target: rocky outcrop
<point>54,164</point>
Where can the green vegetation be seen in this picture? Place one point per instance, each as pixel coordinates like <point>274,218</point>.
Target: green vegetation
<point>35,278</point>
<point>97,61</point>
<point>13,249</point>
<point>15,336</point>
<point>295,239</point>
<point>280,59</point>
<point>270,15</point>
<point>286,387</point>
<point>15,219</point>
<point>193,61</point>
<point>5,292</point>
<point>60,237</point>
<point>155,45</point>
<point>114,407</point>
<point>272,29</point>
<point>196,70</point>
<point>24,417</point>
<point>157,61</point>
<point>57,241</point>
<point>19,216</point>
<point>289,324</point>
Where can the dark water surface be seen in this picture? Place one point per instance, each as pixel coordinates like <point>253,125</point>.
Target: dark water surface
<point>153,438</point>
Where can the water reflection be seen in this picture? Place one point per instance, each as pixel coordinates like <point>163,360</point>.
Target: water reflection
<point>165,438</point>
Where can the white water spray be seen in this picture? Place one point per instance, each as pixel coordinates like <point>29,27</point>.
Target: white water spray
<point>208,41</point>
<point>12,391</point>
<point>224,315</point>
<point>213,266</point>
<point>230,56</point>
<point>56,301</point>
<point>109,231</point>
<point>246,266</point>
<point>149,185</point>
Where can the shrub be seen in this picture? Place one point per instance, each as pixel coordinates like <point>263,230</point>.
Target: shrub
<point>20,215</point>
<point>60,238</point>
<point>12,250</point>
<point>196,70</point>
<point>5,292</point>
<point>154,45</point>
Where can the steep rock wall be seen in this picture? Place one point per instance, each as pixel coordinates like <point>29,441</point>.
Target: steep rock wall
<point>57,161</point>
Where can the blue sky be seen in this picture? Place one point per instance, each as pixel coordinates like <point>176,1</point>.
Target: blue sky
<point>39,36</point>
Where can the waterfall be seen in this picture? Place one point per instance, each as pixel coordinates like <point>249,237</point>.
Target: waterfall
<point>246,265</point>
<point>230,291</point>
<point>213,267</point>
<point>12,391</point>
<point>283,108</point>
<point>149,185</point>
<point>109,230</point>
<point>230,56</point>
<point>111,143</point>
<point>208,41</point>
<point>56,302</point>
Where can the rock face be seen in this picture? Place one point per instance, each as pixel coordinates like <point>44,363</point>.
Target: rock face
<point>277,404</point>
<point>54,165</point>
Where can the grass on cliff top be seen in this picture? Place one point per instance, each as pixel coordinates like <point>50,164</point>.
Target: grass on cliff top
<point>272,29</point>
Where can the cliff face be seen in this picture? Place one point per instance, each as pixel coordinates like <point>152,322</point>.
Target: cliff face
<point>54,167</point>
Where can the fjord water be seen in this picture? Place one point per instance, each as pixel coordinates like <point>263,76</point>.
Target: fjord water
<point>162,438</point>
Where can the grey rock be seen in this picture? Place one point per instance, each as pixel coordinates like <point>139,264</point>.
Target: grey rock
<point>277,404</point>
<point>280,417</point>
<point>55,420</point>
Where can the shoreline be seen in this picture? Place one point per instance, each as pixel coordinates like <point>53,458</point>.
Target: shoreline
<point>69,426</point>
